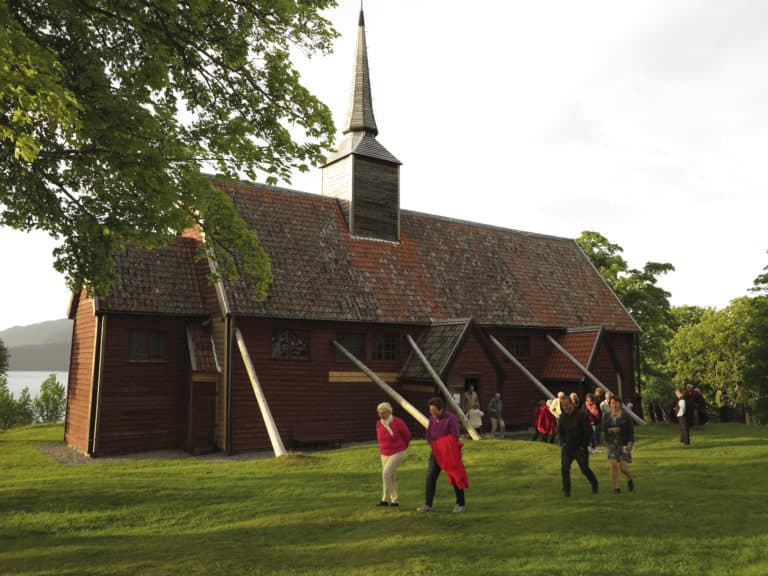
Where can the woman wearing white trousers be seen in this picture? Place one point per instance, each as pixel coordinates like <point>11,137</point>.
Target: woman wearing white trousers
<point>393,437</point>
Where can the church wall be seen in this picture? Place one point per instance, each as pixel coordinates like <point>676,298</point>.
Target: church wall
<point>319,390</point>
<point>143,405</point>
<point>79,386</point>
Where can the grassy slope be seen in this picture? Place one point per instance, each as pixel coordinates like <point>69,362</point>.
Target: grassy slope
<point>697,510</point>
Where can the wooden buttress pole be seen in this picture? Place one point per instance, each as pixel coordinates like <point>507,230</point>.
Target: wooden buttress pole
<point>269,421</point>
<point>407,406</point>
<point>444,389</point>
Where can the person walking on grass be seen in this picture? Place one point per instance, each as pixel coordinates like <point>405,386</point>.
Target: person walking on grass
<point>495,410</point>
<point>594,415</point>
<point>443,438</point>
<point>393,436</point>
<point>620,441</point>
<point>684,413</point>
<point>575,433</point>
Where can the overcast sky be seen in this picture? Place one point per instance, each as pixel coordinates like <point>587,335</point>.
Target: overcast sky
<point>644,121</point>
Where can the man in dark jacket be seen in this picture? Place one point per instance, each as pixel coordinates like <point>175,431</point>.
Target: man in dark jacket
<point>575,433</point>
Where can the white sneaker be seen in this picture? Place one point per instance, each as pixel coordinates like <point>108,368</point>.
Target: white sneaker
<point>457,509</point>
<point>424,508</point>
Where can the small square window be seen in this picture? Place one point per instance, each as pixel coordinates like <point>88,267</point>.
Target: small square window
<point>290,344</point>
<point>354,343</point>
<point>146,346</point>
<point>519,346</point>
<point>385,347</point>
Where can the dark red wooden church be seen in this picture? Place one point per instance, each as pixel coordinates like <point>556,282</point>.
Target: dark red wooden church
<point>162,362</point>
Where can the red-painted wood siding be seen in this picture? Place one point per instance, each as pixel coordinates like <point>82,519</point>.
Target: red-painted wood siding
<point>299,391</point>
<point>80,368</point>
<point>473,361</point>
<point>520,396</point>
<point>605,369</point>
<point>142,405</point>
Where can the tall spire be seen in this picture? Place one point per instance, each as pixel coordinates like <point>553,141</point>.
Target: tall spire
<point>360,116</point>
<point>362,174</point>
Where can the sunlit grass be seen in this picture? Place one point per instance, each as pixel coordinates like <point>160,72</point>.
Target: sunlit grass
<point>697,510</point>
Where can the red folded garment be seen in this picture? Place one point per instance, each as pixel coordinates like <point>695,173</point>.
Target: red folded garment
<point>447,451</point>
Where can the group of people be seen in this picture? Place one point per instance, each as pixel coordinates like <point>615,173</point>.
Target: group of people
<point>580,430</point>
<point>575,430</point>
<point>471,403</point>
<point>547,415</point>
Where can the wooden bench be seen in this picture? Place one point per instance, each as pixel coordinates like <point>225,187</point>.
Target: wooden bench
<point>316,434</point>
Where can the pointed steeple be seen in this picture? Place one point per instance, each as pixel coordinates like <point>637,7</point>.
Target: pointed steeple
<point>362,174</point>
<point>360,116</point>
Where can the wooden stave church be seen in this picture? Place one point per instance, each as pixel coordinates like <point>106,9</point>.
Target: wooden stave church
<point>157,365</point>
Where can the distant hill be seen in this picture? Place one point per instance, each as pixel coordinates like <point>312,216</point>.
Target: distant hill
<point>42,346</point>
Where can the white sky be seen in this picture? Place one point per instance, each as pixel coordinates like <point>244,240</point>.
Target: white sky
<point>644,121</point>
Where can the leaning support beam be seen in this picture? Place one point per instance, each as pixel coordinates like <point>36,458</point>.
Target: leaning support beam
<point>407,406</point>
<point>589,375</point>
<point>274,434</point>
<point>522,368</point>
<point>444,389</point>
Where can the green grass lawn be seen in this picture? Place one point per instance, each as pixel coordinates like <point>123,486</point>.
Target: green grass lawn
<point>696,510</point>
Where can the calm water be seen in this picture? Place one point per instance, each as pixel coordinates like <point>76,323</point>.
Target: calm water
<point>18,380</point>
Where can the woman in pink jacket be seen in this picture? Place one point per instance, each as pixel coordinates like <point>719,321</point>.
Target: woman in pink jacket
<point>393,436</point>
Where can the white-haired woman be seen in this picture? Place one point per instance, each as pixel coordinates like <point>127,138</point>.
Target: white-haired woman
<point>393,437</point>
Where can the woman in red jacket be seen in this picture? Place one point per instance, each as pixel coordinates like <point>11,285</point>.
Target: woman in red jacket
<point>393,436</point>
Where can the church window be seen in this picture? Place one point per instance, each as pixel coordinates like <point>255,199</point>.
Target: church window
<point>290,344</point>
<point>385,347</point>
<point>146,346</point>
<point>354,343</point>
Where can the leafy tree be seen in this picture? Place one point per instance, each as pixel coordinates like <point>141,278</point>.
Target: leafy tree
<point>25,412</point>
<point>761,282</point>
<point>4,357</point>
<point>49,405</point>
<point>7,405</point>
<point>647,302</point>
<point>110,110</point>
<point>604,255</point>
<point>14,412</point>
<point>686,316</point>
<point>725,355</point>
<point>756,370</point>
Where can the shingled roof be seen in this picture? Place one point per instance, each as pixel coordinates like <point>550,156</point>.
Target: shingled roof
<point>441,269</point>
<point>582,345</point>
<point>439,344</point>
<point>162,281</point>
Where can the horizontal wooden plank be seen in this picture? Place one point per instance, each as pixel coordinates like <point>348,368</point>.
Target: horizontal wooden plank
<point>358,376</point>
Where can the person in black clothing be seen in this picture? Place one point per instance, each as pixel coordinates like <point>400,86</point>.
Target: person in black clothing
<point>575,434</point>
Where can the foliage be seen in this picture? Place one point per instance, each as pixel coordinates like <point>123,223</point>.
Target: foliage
<point>725,354</point>
<point>50,404</point>
<point>686,316</point>
<point>110,110</point>
<point>761,282</point>
<point>756,370</point>
<point>7,404</point>
<point>640,294</point>
<point>14,412</point>
<point>315,513</point>
<point>4,358</point>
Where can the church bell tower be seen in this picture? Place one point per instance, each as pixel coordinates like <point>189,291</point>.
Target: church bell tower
<point>362,174</point>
